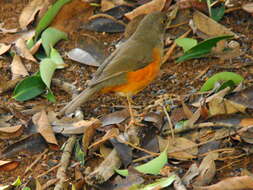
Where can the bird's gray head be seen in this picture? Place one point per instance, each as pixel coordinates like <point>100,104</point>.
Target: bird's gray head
<point>151,25</point>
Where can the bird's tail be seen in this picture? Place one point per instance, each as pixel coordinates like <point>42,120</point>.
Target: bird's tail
<point>79,100</point>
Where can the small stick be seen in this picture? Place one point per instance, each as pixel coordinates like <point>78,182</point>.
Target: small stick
<point>35,161</point>
<point>61,173</point>
<point>48,171</point>
<point>170,124</point>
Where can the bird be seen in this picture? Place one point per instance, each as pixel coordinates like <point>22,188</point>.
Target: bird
<point>131,67</point>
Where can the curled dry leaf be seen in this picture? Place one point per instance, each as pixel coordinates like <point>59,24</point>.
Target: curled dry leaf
<point>207,169</point>
<point>44,128</point>
<point>82,56</point>
<point>23,51</point>
<point>104,23</point>
<point>154,5</point>
<point>175,147</point>
<point>89,133</point>
<point>210,27</point>
<point>73,128</point>
<point>155,118</point>
<point>233,183</point>
<point>8,165</point>
<point>186,4</point>
<point>5,86</point>
<point>5,31</point>
<point>191,173</point>
<point>4,48</point>
<point>29,12</point>
<point>10,132</point>
<point>17,68</point>
<point>115,117</point>
<point>248,7</point>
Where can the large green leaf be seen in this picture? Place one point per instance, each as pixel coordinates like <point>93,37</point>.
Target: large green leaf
<point>186,43</point>
<point>29,88</point>
<point>49,16</point>
<point>152,167</point>
<point>47,68</point>
<point>50,37</point>
<point>222,76</point>
<point>203,48</point>
<point>57,59</point>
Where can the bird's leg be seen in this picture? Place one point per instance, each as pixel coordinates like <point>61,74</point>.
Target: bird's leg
<point>129,101</point>
<point>133,120</point>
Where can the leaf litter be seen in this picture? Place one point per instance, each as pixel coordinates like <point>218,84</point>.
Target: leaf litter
<point>105,139</point>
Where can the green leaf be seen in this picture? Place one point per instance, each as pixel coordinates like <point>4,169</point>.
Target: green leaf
<point>17,182</point>
<point>186,43</point>
<point>29,88</point>
<point>218,13</point>
<point>50,96</point>
<point>203,48</point>
<point>160,183</point>
<point>49,16</point>
<point>26,188</point>
<point>57,59</point>
<point>79,153</point>
<point>50,37</point>
<point>30,43</point>
<point>152,167</point>
<point>47,68</point>
<point>222,76</point>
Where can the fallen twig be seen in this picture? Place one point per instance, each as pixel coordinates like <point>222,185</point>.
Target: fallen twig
<point>61,173</point>
<point>35,161</point>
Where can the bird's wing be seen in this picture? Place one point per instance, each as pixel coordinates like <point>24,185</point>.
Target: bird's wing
<point>120,62</point>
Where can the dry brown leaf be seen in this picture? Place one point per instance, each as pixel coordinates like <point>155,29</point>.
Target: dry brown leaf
<point>186,4</point>
<point>73,128</point>
<point>210,27</point>
<point>89,133</point>
<point>191,173</point>
<point>109,4</point>
<point>207,169</point>
<point>44,128</point>
<point>4,48</point>
<point>232,183</point>
<point>154,5</point>
<point>29,12</point>
<point>66,19</point>
<point>10,129</point>
<point>188,113</point>
<point>10,132</point>
<point>248,7</point>
<point>221,105</point>
<point>8,85</point>
<point>106,5</point>
<point>8,165</point>
<point>17,68</point>
<point>23,51</point>
<point>221,93</point>
<point>5,31</point>
<point>175,146</point>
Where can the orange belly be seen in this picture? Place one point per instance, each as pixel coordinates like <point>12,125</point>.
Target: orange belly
<point>138,80</point>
